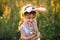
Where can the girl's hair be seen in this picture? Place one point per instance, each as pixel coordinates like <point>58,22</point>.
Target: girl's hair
<point>25,13</point>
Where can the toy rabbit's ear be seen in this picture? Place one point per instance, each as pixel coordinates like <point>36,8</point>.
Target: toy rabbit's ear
<point>41,9</point>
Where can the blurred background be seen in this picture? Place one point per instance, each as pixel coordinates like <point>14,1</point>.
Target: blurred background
<point>48,22</point>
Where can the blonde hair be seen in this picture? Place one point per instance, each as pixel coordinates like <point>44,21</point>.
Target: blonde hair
<point>21,13</point>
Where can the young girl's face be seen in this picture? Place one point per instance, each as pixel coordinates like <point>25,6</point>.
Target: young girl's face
<point>29,17</point>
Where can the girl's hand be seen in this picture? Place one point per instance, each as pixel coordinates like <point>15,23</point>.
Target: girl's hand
<point>37,36</point>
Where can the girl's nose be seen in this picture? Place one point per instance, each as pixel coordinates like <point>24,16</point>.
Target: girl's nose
<point>31,20</point>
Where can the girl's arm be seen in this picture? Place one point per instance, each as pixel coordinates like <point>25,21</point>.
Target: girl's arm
<point>23,35</point>
<point>36,30</point>
<point>37,36</point>
<point>35,27</point>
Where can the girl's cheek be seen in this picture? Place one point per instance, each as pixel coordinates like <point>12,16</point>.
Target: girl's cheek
<point>28,20</point>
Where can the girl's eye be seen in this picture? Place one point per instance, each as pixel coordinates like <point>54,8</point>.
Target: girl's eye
<point>30,17</point>
<point>33,17</point>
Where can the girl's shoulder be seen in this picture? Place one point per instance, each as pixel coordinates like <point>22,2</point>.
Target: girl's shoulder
<point>22,26</point>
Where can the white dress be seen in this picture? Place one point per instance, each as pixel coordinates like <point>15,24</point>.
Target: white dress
<point>28,31</point>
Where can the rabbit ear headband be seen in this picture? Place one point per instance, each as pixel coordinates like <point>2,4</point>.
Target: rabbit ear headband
<point>30,9</point>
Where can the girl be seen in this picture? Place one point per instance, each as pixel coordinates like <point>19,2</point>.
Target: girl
<point>28,27</point>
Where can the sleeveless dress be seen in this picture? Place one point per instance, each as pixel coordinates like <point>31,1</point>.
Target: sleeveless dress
<point>28,31</point>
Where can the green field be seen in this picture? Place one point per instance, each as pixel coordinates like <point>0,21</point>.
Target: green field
<point>48,22</point>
